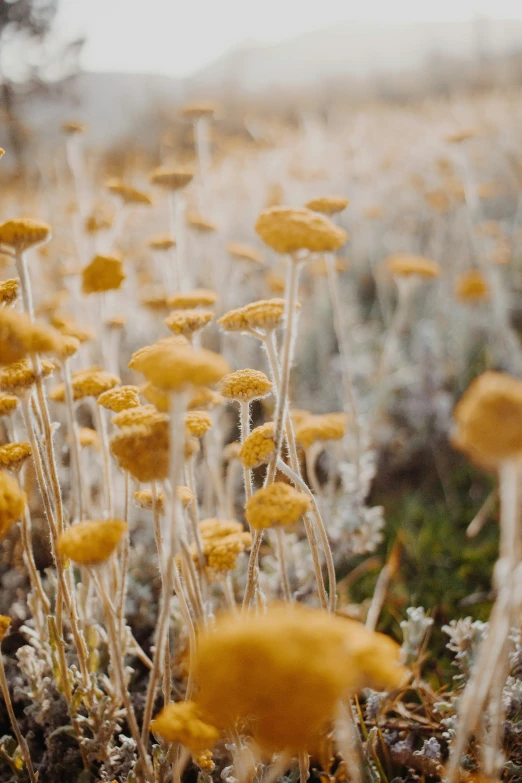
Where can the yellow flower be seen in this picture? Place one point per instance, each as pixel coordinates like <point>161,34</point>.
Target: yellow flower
<point>328,204</point>
<point>471,286</point>
<point>128,193</point>
<point>245,385</point>
<point>262,315</point>
<point>277,504</point>
<point>221,553</point>
<point>275,282</point>
<point>23,233</point>
<point>20,336</point>
<point>143,450</point>
<point>12,502</point>
<point>72,128</point>
<point>142,414</point>
<point>120,398</point>
<point>161,242</point>
<point>258,447</point>
<point>9,291</point>
<point>198,423</point>
<point>187,300</point>
<point>143,498</point>
<point>313,659</point>
<point>244,252</point>
<point>21,375</point>
<point>97,221</point>
<point>329,426</point>
<point>141,353</point>
<point>457,137</point>
<point>104,273</point>
<point>198,222</point>
<point>67,346</point>
<point>92,541</point>
<point>407,264</point>
<point>219,528</point>
<point>204,399</point>
<point>5,622</point>
<point>180,722</point>
<point>172,177</point>
<point>88,437</point>
<point>188,322</point>
<point>194,111</point>
<point>92,383</point>
<point>489,418</point>
<point>8,404</point>
<point>288,230</point>
<point>13,455</point>
<point>176,367</point>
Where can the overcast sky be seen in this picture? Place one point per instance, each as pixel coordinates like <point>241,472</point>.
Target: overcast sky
<point>179,36</point>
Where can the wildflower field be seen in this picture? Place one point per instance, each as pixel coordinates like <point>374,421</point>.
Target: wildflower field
<point>261,442</point>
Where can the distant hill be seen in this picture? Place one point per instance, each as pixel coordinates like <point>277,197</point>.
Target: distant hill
<point>113,103</point>
<point>355,50</point>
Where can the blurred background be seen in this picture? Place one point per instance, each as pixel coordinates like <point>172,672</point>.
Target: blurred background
<point>124,66</point>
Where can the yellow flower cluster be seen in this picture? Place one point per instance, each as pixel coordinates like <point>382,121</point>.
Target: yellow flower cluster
<point>187,300</point>
<point>161,242</point>
<point>245,385</point>
<point>258,447</point>
<point>90,382</point>
<point>328,426</point>
<point>277,504</point>
<point>188,322</point>
<point>9,291</point>
<point>13,455</point>
<point>8,404</point>
<point>489,418</point>
<point>181,722</point>
<point>198,422</point>
<point>471,286</point>
<point>5,623</point>
<point>329,205</point>
<point>408,264</point>
<point>120,398</point>
<point>20,336</point>
<point>142,414</point>
<point>143,450</point>
<point>263,315</point>
<point>19,376</point>
<point>22,233</point>
<point>244,252</point>
<point>93,541</point>
<point>172,177</point>
<point>314,660</point>
<point>12,502</point>
<point>103,273</point>
<point>128,193</point>
<point>288,230</point>
<point>176,367</point>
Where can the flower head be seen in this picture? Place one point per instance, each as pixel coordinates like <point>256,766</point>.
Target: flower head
<point>288,230</point>
<point>245,252</point>
<point>104,273</point>
<point>72,128</point>
<point>88,438</point>
<point>245,385</point>
<point>489,418</point>
<point>141,353</point>
<point>187,322</point>
<point>187,300</point>
<point>311,429</point>
<point>161,242</point>
<point>142,414</point>
<point>204,398</point>
<point>8,404</point>
<point>219,528</point>
<point>23,233</point>
<point>128,193</point>
<point>174,367</point>
<point>194,111</point>
<point>5,623</point>
<point>277,504</point>
<point>92,383</point>
<point>258,447</point>
<point>12,502</point>
<point>21,375</point>
<point>143,450</point>
<point>172,177</point>
<point>120,398</point>
<point>9,291</point>
<point>407,264</point>
<point>13,455</point>
<point>471,286</point>
<point>20,336</point>
<point>198,423</point>
<point>329,205</point>
<point>199,223</point>
<point>314,660</point>
<point>180,722</point>
<point>93,541</point>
